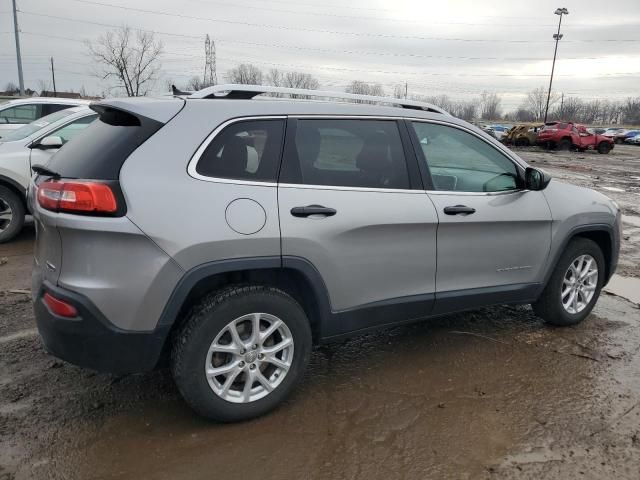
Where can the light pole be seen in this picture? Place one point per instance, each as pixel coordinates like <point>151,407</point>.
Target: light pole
<point>557,37</point>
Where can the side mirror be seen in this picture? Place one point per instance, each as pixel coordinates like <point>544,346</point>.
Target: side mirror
<point>536,179</point>
<point>50,142</point>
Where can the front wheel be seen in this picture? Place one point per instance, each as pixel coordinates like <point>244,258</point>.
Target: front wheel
<point>240,352</point>
<point>604,148</point>
<point>564,145</point>
<point>574,286</point>
<point>12,214</point>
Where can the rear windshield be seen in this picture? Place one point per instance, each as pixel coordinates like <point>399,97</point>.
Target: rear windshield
<point>100,151</point>
<point>33,127</point>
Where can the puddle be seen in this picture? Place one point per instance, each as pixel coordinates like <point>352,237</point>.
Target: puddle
<point>626,287</point>
<point>631,220</point>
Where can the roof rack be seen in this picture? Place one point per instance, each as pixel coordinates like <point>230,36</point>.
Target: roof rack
<point>244,92</point>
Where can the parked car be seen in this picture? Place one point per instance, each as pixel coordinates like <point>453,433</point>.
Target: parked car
<point>32,143</point>
<point>195,228</point>
<point>498,130</point>
<point>622,136</point>
<point>635,140</point>
<point>15,113</point>
<point>523,135</point>
<point>568,135</point>
<point>612,132</point>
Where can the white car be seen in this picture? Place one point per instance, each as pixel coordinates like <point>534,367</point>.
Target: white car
<point>16,113</point>
<point>32,144</point>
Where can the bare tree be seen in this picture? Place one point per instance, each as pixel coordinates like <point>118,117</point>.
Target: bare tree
<point>631,111</point>
<point>363,88</point>
<point>196,83</point>
<point>43,85</point>
<point>132,60</point>
<point>536,102</point>
<point>275,77</point>
<point>11,87</point>
<point>489,106</point>
<point>245,73</point>
<point>300,80</point>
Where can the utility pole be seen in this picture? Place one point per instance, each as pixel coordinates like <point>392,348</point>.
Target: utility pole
<point>210,75</point>
<point>53,77</point>
<point>557,37</point>
<point>18,56</point>
<point>406,89</point>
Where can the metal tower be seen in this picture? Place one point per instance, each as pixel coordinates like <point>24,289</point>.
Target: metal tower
<point>210,76</point>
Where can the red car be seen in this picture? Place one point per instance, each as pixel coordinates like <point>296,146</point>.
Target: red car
<point>572,136</point>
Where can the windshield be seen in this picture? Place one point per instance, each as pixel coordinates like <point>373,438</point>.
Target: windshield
<point>33,127</point>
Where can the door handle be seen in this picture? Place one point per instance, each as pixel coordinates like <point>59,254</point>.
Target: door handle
<point>459,209</point>
<point>313,210</point>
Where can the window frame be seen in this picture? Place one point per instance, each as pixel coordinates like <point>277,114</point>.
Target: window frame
<point>195,158</point>
<point>411,161</point>
<point>426,171</point>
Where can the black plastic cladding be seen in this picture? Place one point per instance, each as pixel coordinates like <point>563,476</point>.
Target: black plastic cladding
<point>100,153</point>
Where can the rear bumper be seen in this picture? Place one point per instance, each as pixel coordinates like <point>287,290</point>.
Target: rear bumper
<point>90,340</point>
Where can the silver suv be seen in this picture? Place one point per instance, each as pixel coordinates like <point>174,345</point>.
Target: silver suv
<point>225,233</point>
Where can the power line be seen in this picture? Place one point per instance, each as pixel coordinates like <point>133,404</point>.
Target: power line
<point>332,32</point>
<point>297,47</point>
<point>344,69</point>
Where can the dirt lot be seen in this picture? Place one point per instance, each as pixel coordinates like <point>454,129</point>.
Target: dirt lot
<point>488,394</point>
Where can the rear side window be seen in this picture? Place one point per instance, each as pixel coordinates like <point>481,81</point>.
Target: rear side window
<point>49,108</point>
<point>346,153</point>
<point>104,145</point>
<point>246,150</point>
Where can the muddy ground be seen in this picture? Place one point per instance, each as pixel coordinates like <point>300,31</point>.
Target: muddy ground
<point>489,394</point>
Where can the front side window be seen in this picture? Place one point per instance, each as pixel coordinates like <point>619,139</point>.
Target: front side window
<point>21,114</point>
<point>72,129</point>
<point>35,126</point>
<point>460,161</point>
<point>246,150</point>
<point>346,153</point>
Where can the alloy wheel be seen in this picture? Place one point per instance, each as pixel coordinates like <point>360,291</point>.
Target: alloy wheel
<point>579,284</point>
<point>6,214</point>
<point>249,358</point>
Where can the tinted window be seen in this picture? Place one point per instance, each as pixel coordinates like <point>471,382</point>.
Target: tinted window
<point>248,150</point>
<point>348,153</point>
<point>102,149</point>
<point>21,114</point>
<point>49,108</point>
<point>460,161</point>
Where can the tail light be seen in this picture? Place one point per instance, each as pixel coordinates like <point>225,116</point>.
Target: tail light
<point>77,196</point>
<point>60,307</point>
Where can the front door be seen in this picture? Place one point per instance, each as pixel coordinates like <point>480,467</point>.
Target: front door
<point>494,237</point>
<point>347,206</point>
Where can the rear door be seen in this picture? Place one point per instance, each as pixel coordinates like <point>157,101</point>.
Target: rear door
<point>494,236</point>
<point>352,205</point>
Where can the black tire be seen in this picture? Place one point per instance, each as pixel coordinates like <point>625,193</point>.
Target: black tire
<point>549,306</point>
<point>10,201</point>
<point>604,148</point>
<point>522,142</point>
<point>564,145</point>
<point>207,320</point>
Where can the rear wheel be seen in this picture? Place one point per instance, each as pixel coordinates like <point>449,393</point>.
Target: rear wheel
<point>604,148</point>
<point>574,286</point>
<point>12,214</point>
<point>564,145</point>
<point>240,352</point>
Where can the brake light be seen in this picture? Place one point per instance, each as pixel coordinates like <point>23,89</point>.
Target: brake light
<point>59,307</point>
<point>77,196</point>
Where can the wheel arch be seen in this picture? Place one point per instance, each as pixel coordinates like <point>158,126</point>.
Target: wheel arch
<point>16,188</point>
<point>293,275</point>
<point>602,234</point>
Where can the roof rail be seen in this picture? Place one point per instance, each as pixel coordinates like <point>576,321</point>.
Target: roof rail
<point>237,91</point>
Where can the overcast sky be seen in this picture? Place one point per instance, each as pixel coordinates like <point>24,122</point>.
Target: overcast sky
<point>458,48</point>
